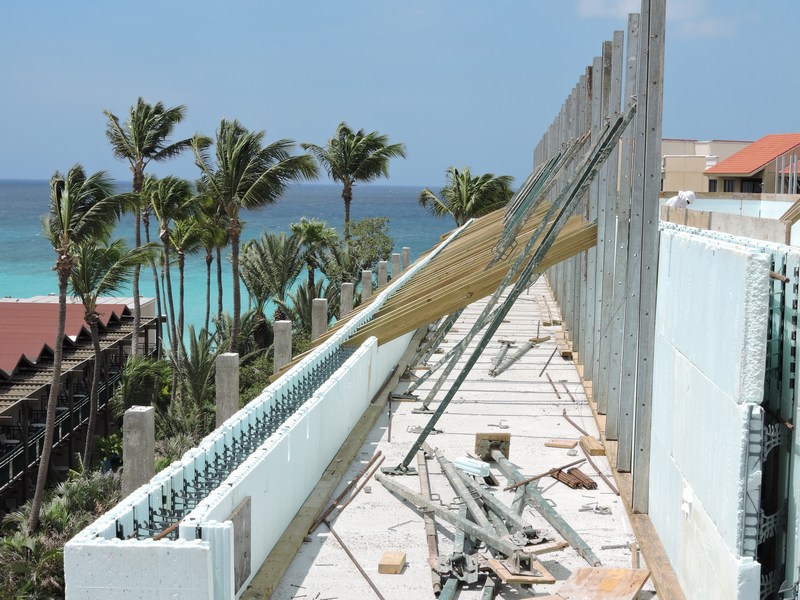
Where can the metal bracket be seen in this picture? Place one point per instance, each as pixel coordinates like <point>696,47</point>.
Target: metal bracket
<point>774,436</point>
<point>768,525</point>
<point>463,567</point>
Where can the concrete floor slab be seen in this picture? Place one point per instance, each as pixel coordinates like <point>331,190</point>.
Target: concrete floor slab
<point>518,402</point>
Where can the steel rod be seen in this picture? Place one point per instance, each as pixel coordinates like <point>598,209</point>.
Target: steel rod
<point>574,424</point>
<point>462,523</point>
<point>361,485</point>
<point>548,361</point>
<point>430,523</point>
<point>345,491</point>
<point>355,562</point>
<point>543,507</point>
<point>540,475</point>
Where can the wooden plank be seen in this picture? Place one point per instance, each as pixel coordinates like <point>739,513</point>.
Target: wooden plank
<point>592,446</point>
<point>392,562</point>
<point>618,298</point>
<point>604,583</point>
<point>545,547</point>
<point>650,242</point>
<point>566,444</point>
<point>510,578</point>
<point>240,517</point>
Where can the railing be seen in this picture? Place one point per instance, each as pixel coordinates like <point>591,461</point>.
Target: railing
<point>12,460</point>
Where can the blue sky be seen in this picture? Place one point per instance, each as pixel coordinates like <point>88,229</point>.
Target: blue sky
<point>460,82</point>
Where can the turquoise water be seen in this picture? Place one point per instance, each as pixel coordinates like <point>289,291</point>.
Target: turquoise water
<point>26,257</point>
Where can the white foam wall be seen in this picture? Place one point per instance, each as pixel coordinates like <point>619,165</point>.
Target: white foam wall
<point>710,352</point>
<point>162,570</point>
<point>278,477</point>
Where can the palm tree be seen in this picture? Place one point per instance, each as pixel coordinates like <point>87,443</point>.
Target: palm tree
<point>466,196</point>
<point>350,157</point>
<point>297,305</point>
<point>247,174</point>
<point>101,268</point>
<point>170,199</point>
<point>142,139</point>
<point>81,208</point>
<point>213,237</point>
<point>269,268</point>
<point>315,237</point>
<point>187,239</point>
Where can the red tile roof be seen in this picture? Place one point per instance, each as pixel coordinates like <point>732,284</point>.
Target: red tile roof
<point>751,159</point>
<point>28,330</point>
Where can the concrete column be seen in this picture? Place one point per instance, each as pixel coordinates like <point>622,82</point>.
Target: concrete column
<point>319,317</point>
<point>406,257</point>
<point>227,385</point>
<point>383,273</point>
<point>366,285</point>
<point>346,299</point>
<point>282,345</point>
<point>138,447</point>
<point>396,265</point>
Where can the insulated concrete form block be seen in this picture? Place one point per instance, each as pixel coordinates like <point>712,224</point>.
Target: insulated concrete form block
<point>718,325</point>
<point>707,571</point>
<point>131,570</point>
<point>711,328</point>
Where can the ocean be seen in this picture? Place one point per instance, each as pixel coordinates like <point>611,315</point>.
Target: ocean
<point>27,259</point>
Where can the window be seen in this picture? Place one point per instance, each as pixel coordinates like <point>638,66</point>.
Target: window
<point>751,186</point>
<point>728,185</point>
<point>712,185</point>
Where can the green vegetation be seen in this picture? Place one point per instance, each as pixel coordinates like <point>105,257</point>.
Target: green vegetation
<point>467,196</point>
<point>287,270</point>
<point>350,157</point>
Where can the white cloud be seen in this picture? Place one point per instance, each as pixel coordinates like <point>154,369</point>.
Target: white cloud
<point>688,18</point>
<point>607,8</point>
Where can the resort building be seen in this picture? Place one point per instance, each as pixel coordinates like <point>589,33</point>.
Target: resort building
<point>767,166</point>
<point>27,330</point>
<point>684,162</point>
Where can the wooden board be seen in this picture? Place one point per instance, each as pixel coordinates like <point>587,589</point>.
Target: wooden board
<point>592,446</point>
<point>240,517</point>
<point>392,562</point>
<point>508,577</point>
<point>544,548</point>
<point>561,443</point>
<point>602,583</point>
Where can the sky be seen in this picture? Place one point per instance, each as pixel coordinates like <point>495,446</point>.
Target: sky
<point>461,83</point>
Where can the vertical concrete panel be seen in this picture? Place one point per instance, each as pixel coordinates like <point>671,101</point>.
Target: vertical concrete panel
<point>406,257</point>
<point>319,317</point>
<point>396,265</point>
<point>138,447</point>
<point>282,344</point>
<point>383,273</point>
<point>366,285</point>
<point>227,385</point>
<point>346,299</point>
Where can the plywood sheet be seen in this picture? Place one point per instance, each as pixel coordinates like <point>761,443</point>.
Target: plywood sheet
<point>602,583</point>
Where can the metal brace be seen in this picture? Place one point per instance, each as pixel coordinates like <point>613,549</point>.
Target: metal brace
<point>768,524</point>
<point>460,565</point>
<point>774,436</point>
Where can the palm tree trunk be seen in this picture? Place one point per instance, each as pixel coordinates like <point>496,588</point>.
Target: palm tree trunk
<point>170,302</point>
<point>219,283</point>
<point>155,277</point>
<point>64,268</point>
<point>137,306</point>
<point>347,196</point>
<point>94,394</point>
<point>235,229</point>
<point>181,265</point>
<point>209,260</point>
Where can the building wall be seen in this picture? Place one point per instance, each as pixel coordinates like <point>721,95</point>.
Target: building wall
<point>684,172</point>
